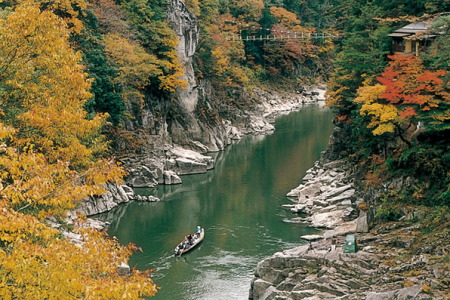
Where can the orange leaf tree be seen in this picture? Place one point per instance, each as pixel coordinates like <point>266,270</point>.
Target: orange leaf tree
<point>406,93</point>
<point>287,57</point>
<point>52,156</point>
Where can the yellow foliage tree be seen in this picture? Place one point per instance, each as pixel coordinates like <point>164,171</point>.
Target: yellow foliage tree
<point>37,263</point>
<point>51,157</point>
<point>407,93</point>
<point>172,68</point>
<point>135,66</point>
<point>286,18</point>
<point>384,116</point>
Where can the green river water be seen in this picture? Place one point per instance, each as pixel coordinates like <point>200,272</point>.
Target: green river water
<point>239,205</point>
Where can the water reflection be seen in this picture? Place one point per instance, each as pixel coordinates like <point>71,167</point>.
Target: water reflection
<point>239,205</point>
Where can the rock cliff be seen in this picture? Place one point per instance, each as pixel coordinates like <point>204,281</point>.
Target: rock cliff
<point>178,145</point>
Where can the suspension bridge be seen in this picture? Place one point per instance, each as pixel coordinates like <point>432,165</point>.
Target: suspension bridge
<point>286,36</point>
<point>254,33</point>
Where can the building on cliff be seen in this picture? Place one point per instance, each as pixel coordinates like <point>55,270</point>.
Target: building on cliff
<point>413,38</point>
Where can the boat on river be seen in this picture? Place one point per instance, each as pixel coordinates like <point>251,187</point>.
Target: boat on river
<point>185,246</point>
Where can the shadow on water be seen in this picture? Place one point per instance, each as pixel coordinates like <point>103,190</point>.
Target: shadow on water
<point>239,205</point>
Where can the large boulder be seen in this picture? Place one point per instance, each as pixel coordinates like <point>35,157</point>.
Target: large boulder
<point>115,194</point>
<point>184,161</point>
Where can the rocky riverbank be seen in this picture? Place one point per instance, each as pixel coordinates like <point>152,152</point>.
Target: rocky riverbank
<point>383,268</point>
<point>166,163</point>
<point>394,261</point>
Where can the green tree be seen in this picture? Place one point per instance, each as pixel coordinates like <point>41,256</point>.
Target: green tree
<point>361,55</point>
<point>105,92</point>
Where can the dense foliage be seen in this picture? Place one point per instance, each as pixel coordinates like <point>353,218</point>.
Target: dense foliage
<point>51,157</point>
<point>232,61</point>
<point>395,108</point>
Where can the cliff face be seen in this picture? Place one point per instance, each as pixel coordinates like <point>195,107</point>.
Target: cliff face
<point>177,145</point>
<point>189,131</point>
<point>184,23</point>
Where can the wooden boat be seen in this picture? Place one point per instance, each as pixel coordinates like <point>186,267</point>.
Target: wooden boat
<point>198,240</point>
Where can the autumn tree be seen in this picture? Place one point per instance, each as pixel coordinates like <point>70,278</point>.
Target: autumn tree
<point>156,36</point>
<point>51,157</point>
<point>362,54</point>
<point>244,11</point>
<point>288,57</point>
<point>218,57</point>
<point>406,92</point>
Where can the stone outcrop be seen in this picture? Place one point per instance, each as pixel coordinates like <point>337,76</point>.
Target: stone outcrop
<point>393,261</point>
<point>382,269</point>
<point>115,195</point>
<point>327,196</point>
<point>148,172</point>
<point>185,25</point>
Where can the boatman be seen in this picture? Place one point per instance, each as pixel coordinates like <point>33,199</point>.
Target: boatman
<point>198,230</point>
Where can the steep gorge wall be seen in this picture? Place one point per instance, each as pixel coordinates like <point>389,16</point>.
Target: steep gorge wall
<point>177,146</point>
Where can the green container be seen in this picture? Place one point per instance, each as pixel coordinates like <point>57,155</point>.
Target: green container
<point>350,244</point>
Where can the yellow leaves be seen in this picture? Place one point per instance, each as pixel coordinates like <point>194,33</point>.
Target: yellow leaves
<point>383,117</point>
<point>335,90</point>
<point>39,62</point>
<point>193,6</point>
<point>327,46</point>
<point>40,264</point>
<point>225,68</point>
<point>135,65</point>
<point>383,128</point>
<point>5,131</point>
<point>286,18</point>
<point>370,94</point>
<point>70,8</point>
<point>45,89</point>
<point>222,63</point>
<point>51,157</point>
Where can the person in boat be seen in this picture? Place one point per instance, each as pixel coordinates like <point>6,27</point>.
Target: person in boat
<point>189,239</point>
<point>179,248</point>
<point>198,230</point>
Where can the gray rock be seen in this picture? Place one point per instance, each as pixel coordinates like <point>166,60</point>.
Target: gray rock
<point>170,177</point>
<point>402,294</point>
<point>124,269</point>
<point>362,224</point>
<point>328,219</point>
<point>341,197</point>
<point>142,176</point>
<point>188,161</point>
<point>153,199</point>
<point>114,196</point>
<point>259,287</point>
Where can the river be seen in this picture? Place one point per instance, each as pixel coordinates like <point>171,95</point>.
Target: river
<point>239,205</point>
